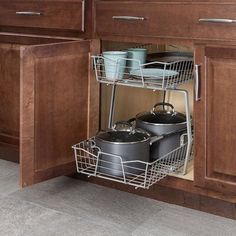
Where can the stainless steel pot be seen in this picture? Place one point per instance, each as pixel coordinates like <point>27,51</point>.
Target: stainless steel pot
<point>161,121</point>
<point>123,144</point>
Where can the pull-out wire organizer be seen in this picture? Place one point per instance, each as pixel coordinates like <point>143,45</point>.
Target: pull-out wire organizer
<point>153,75</point>
<point>156,75</point>
<point>91,162</point>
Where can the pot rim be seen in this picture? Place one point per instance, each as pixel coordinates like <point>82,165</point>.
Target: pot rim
<point>124,143</point>
<point>157,124</point>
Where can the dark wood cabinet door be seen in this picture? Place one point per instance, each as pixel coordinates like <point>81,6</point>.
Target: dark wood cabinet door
<point>54,101</point>
<point>215,119</point>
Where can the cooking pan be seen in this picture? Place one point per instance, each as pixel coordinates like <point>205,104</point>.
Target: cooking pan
<point>161,120</point>
<point>123,143</point>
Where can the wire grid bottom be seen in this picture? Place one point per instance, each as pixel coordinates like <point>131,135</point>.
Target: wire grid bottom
<point>171,75</point>
<point>90,161</point>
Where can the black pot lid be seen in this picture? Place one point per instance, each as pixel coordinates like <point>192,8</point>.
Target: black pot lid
<point>162,117</point>
<point>122,136</point>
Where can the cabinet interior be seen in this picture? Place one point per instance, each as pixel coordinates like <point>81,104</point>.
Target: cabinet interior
<point>131,101</point>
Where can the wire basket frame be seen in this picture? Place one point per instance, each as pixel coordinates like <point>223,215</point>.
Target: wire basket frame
<point>153,75</point>
<point>91,161</point>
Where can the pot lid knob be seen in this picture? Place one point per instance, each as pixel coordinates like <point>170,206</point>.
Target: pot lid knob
<point>163,105</point>
<point>123,126</point>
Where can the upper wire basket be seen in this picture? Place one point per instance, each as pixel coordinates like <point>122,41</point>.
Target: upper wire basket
<point>91,161</point>
<point>153,75</point>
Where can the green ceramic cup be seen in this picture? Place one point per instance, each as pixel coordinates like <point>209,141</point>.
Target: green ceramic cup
<point>115,64</point>
<point>139,54</point>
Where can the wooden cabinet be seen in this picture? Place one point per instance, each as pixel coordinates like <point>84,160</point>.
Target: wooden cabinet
<point>43,14</point>
<point>66,18</point>
<point>166,19</point>
<point>208,27</point>
<point>45,105</point>
<point>212,20</point>
<point>141,19</point>
<point>215,119</point>
<point>49,100</point>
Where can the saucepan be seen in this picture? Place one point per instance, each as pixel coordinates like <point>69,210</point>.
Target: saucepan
<point>123,144</point>
<point>162,120</point>
<point>127,142</point>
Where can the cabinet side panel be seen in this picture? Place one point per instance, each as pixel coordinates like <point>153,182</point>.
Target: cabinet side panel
<point>93,93</point>
<point>200,121</point>
<point>9,89</point>
<point>9,102</point>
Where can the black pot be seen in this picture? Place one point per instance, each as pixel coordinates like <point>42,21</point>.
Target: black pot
<point>169,56</point>
<point>121,145</point>
<point>160,122</point>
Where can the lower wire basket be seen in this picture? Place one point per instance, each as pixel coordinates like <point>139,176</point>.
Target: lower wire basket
<point>90,161</point>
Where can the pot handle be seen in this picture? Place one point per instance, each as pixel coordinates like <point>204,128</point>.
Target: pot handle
<point>163,104</point>
<point>142,131</point>
<point>123,122</point>
<point>131,120</point>
<point>155,139</point>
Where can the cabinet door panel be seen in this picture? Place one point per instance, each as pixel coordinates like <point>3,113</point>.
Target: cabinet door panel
<point>215,118</point>
<point>54,108</point>
<point>222,125</point>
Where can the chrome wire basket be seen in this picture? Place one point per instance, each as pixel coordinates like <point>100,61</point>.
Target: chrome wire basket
<point>153,75</point>
<point>89,161</point>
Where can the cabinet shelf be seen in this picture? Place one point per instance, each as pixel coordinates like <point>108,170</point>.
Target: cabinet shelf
<point>153,75</point>
<point>89,161</point>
